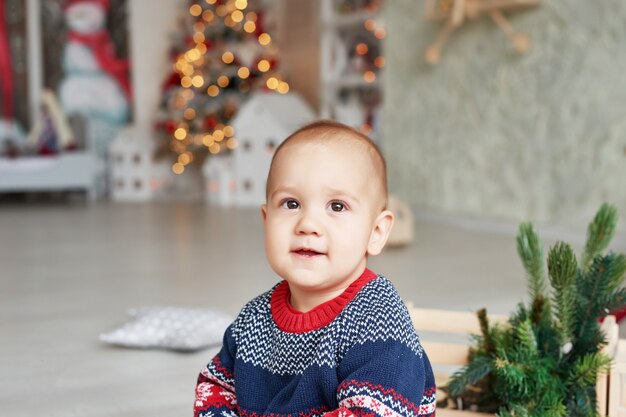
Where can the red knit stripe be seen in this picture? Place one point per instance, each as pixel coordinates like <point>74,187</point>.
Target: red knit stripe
<point>384,390</point>
<point>289,320</point>
<point>219,367</point>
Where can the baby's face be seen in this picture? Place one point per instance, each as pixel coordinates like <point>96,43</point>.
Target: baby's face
<point>322,205</point>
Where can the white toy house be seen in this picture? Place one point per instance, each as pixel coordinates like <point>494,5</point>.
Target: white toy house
<point>261,124</point>
<point>218,172</point>
<point>134,175</point>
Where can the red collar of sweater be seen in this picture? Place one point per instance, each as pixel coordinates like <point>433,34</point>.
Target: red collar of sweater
<point>292,321</point>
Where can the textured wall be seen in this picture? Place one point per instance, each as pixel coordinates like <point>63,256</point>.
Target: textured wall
<point>492,134</point>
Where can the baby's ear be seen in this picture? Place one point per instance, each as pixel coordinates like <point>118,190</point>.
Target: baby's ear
<point>264,212</point>
<point>380,232</point>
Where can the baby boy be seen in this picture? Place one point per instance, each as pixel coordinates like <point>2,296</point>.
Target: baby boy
<point>333,338</point>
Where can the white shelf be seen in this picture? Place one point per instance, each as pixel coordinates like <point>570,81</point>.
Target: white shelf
<point>68,171</point>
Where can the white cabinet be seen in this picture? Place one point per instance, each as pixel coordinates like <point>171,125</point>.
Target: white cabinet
<point>352,63</point>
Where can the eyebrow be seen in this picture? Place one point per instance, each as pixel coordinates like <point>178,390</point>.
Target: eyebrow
<point>343,193</point>
<point>288,190</point>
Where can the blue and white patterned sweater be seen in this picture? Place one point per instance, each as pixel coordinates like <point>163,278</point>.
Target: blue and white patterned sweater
<point>355,355</point>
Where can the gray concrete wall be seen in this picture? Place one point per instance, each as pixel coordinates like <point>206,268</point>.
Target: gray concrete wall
<point>491,134</point>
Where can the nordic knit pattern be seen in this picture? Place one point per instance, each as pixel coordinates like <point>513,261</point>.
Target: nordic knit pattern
<point>355,355</point>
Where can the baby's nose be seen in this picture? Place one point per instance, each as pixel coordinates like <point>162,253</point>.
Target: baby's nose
<point>309,224</point>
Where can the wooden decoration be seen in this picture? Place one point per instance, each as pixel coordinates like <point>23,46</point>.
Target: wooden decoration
<point>455,12</point>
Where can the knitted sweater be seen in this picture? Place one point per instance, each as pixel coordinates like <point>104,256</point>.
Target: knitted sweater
<point>355,355</point>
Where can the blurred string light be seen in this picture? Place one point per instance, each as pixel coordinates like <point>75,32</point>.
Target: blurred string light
<point>378,31</point>
<point>213,71</point>
<point>369,61</point>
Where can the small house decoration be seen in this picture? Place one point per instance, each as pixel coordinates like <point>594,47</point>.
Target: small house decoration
<point>218,170</point>
<point>455,12</point>
<point>260,125</point>
<point>135,176</point>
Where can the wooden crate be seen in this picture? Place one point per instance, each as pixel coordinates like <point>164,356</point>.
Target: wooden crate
<point>610,388</point>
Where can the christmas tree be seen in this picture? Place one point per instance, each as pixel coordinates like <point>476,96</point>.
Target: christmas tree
<point>224,54</point>
<point>546,360</point>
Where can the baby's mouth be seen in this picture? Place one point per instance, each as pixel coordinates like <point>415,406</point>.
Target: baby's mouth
<point>309,253</point>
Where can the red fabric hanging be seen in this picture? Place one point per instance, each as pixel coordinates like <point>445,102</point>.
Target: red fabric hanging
<point>6,73</point>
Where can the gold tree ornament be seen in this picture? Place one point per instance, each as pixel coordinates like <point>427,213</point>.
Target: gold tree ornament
<point>454,13</point>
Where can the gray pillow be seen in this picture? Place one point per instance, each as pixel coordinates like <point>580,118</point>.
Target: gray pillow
<point>181,329</point>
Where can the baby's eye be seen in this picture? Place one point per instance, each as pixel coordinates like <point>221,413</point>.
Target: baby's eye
<point>336,206</point>
<point>290,205</point>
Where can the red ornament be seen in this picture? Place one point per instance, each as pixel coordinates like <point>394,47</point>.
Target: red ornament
<point>170,126</point>
<point>210,122</point>
<point>173,80</point>
<point>260,26</point>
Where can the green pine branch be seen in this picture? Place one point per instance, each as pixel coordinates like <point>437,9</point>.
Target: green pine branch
<point>488,343</point>
<point>469,375</point>
<point>527,368</point>
<point>585,370</point>
<point>600,283</point>
<point>527,339</point>
<point>562,268</point>
<point>583,403</point>
<point>531,253</point>
<point>599,234</point>
<point>616,301</point>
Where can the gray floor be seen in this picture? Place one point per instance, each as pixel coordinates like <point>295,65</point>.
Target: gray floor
<point>71,271</point>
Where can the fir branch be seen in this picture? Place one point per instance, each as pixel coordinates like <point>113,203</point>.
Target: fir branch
<point>556,408</point>
<point>599,234</point>
<point>585,370</point>
<point>487,340</point>
<point>531,253</point>
<point>616,301</point>
<point>527,339</point>
<point>602,280</point>
<point>513,382</point>
<point>469,375</point>
<point>537,311</point>
<point>583,403</point>
<point>553,399</point>
<point>562,267</point>
<point>513,410</point>
<point>616,270</point>
<point>591,339</point>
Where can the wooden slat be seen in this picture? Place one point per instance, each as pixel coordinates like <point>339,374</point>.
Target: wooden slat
<point>447,321</point>
<point>617,382</point>
<point>445,353</point>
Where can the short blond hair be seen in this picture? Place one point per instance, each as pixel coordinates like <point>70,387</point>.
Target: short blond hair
<point>327,131</point>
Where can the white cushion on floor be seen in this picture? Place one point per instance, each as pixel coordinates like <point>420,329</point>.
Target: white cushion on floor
<point>174,328</point>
